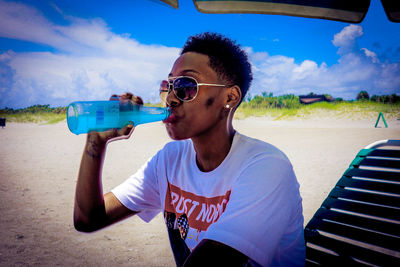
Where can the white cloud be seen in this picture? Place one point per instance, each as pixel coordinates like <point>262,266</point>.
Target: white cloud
<point>346,38</point>
<point>92,62</point>
<point>371,54</point>
<point>22,22</point>
<point>353,73</point>
<point>356,70</point>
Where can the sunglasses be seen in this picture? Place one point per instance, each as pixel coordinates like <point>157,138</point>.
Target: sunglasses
<point>185,88</point>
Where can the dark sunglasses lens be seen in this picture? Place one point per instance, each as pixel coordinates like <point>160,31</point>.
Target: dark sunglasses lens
<point>164,85</point>
<point>185,88</point>
<point>164,91</point>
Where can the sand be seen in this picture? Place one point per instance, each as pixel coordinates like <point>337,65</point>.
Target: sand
<point>39,165</point>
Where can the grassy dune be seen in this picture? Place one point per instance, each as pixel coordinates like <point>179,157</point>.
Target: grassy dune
<point>35,114</point>
<point>335,110</point>
<point>39,117</point>
<point>348,110</point>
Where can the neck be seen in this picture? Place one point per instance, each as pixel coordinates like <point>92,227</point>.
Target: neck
<point>213,146</point>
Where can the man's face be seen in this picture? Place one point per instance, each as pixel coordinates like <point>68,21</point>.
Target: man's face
<point>203,114</point>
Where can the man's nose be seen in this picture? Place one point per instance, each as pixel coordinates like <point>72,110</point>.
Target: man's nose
<point>172,100</point>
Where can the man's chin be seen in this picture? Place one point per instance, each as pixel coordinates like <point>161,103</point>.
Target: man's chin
<point>174,135</point>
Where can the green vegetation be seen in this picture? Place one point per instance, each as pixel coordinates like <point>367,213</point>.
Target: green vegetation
<point>386,98</point>
<point>363,95</point>
<point>289,107</point>
<point>35,114</point>
<point>270,101</point>
<point>158,105</point>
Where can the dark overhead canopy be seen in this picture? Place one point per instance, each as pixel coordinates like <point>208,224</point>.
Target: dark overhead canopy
<point>173,3</point>
<point>392,9</point>
<point>352,11</point>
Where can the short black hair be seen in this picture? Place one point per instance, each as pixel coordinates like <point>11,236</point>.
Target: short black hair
<point>227,58</point>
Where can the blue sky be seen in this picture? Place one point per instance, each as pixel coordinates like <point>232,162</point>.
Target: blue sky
<point>55,52</point>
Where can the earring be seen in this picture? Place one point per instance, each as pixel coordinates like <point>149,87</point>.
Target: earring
<point>227,106</point>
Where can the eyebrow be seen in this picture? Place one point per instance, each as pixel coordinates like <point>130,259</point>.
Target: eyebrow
<point>185,72</point>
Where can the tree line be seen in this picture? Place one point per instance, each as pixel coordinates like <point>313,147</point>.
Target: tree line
<point>35,109</point>
<point>392,99</point>
<point>268,100</point>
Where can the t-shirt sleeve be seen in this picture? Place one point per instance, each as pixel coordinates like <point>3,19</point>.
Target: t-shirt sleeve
<point>140,192</point>
<point>263,205</point>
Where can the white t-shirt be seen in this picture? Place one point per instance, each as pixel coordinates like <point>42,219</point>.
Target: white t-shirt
<point>250,202</point>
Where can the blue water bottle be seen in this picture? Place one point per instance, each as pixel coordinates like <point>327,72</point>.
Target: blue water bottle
<point>86,116</point>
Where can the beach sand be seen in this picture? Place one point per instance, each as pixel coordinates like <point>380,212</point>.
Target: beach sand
<point>39,166</point>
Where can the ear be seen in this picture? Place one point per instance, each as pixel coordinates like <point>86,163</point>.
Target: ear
<point>233,97</point>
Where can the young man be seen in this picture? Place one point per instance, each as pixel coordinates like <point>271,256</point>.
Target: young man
<point>227,199</point>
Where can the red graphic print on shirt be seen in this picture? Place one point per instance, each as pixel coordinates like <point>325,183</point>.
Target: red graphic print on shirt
<point>200,211</point>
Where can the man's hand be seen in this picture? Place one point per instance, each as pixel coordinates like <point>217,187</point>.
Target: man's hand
<point>98,140</point>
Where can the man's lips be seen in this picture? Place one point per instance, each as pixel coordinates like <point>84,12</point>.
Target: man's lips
<point>171,119</point>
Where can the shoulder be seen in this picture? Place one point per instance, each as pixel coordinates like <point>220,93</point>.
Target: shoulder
<point>176,149</point>
<point>254,149</point>
<point>176,146</point>
<point>262,163</point>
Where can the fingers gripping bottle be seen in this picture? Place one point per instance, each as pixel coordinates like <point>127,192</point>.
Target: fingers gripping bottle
<point>86,116</point>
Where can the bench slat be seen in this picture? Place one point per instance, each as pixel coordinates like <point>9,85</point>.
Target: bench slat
<point>378,211</point>
<point>361,235</point>
<point>346,249</point>
<point>386,200</point>
<point>369,185</point>
<point>322,257</point>
<point>373,174</point>
<point>388,153</point>
<point>386,163</point>
<point>357,221</point>
<point>311,264</point>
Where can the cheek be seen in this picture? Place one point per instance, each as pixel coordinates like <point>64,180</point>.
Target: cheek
<point>209,102</point>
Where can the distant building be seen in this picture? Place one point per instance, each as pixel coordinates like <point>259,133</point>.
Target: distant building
<point>309,99</point>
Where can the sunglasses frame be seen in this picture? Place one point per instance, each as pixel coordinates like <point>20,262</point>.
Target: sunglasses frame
<point>171,87</point>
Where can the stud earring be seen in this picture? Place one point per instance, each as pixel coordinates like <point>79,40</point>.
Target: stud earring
<point>227,106</point>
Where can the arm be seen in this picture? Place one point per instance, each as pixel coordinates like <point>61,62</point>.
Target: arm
<point>92,210</point>
<point>213,253</point>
